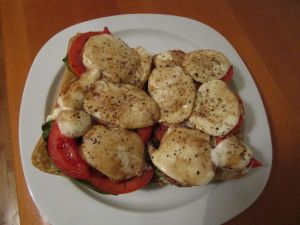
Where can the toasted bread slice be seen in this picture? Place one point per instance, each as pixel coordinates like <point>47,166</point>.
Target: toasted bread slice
<point>40,158</point>
<point>226,174</point>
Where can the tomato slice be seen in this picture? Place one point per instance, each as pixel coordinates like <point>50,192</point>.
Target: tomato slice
<point>64,153</point>
<point>228,75</point>
<point>145,133</point>
<point>160,132</point>
<point>104,184</point>
<point>75,50</point>
<point>106,31</point>
<point>255,163</point>
<point>218,139</point>
<point>233,131</point>
<point>237,128</point>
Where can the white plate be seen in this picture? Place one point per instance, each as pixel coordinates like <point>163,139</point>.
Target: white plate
<point>63,202</point>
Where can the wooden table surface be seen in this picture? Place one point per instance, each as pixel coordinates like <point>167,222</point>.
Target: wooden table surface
<point>265,33</point>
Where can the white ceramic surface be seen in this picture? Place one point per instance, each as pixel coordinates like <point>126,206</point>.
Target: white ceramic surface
<point>64,203</point>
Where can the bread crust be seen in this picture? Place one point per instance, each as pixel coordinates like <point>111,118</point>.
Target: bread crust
<point>40,158</point>
<point>226,174</point>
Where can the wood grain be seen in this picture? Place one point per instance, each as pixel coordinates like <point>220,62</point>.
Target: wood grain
<point>274,32</point>
<point>8,208</point>
<point>265,33</point>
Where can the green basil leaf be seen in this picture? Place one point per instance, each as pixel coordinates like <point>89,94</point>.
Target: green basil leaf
<point>65,59</point>
<point>66,62</point>
<point>46,127</point>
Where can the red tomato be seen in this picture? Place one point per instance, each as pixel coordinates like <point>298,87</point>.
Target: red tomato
<point>106,31</point>
<point>228,75</point>
<point>75,50</point>
<point>103,183</point>
<point>160,132</point>
<point>145,133</point>
<point>238,126</point>
<point>255,163</point>
<point>233,131</point>
<point>218,139</point>
<point>64,153</point>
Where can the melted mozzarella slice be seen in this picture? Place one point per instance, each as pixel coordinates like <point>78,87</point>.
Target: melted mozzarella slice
<point>54,114</point>
<point>184,155</point>
<point>73,97</point>
<point>231,153</point>
<point>169,58</point>
<point>205,65</point>
<point>75,94</point>
<point>143,69</point>
<point>122,105</point>
<point>174,92</point>
<point>217,109</point>
<point>73,123</point>
<point>87,79</point>
<point>115,152</point>
<point>112,56</point>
